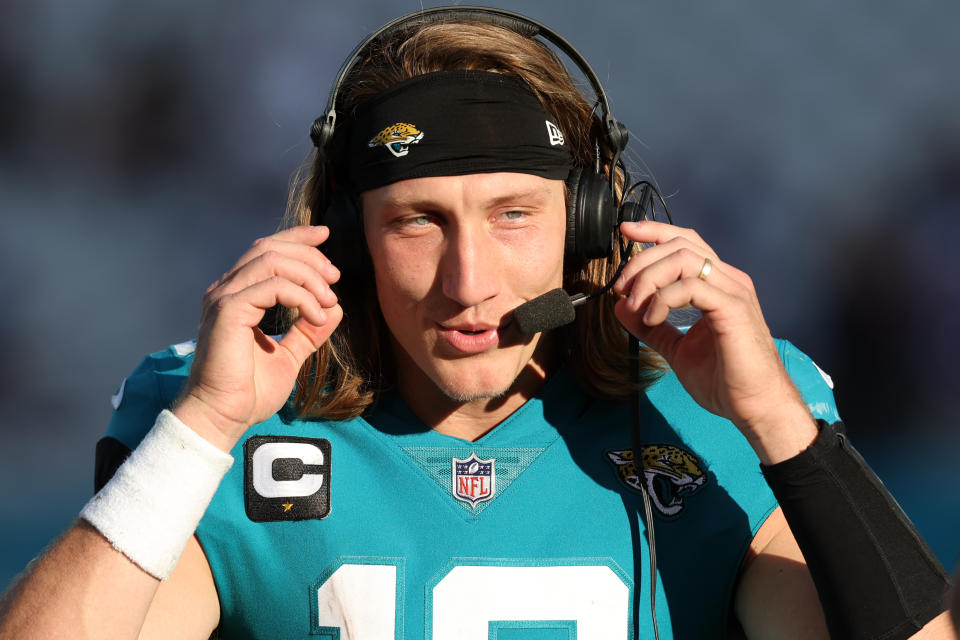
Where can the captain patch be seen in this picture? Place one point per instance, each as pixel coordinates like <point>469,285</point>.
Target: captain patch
<point>286,478</point>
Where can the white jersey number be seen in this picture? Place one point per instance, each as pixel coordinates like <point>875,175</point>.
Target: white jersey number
<point>474,602</point>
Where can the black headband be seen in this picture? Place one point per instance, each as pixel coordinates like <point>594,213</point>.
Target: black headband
<point>454,123</point>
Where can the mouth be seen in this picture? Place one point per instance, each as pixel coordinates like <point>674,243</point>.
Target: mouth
<point>474,327</point>
<point>471,338</point>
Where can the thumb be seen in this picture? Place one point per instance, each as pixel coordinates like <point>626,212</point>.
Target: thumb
<point>304,338</point>
<point>662,338</point>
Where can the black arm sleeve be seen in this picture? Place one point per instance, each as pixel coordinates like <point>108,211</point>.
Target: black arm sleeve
<point>876,577</point>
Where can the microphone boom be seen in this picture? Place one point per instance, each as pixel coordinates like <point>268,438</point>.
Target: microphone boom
<point>548,311</point>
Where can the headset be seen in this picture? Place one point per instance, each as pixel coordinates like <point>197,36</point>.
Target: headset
<point>592,211</point>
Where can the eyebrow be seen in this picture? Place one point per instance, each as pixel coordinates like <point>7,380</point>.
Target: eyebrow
<point>537,195</point>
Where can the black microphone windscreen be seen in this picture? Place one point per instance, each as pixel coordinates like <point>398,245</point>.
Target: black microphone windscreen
<point>549,311</point>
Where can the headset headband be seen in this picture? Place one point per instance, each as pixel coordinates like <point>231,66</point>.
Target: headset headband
<point>615,133</point>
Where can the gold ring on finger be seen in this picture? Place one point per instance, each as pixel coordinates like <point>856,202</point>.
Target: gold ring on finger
<point>705,269</point>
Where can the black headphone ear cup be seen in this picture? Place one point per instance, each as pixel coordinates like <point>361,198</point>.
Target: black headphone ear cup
<point>321,131</point>
<point>570,245</point>
<point>594,217</point>
<point>344,248</point>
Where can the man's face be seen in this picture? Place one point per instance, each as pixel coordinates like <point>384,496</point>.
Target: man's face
<point>452,257</point>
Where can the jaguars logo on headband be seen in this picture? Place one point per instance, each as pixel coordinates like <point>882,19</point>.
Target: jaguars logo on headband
<point>397,138</point>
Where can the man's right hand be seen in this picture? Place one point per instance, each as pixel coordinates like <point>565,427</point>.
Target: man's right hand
<point>240,376</point>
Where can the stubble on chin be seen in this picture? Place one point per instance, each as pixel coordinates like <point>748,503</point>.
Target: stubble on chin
<point>466,396</point>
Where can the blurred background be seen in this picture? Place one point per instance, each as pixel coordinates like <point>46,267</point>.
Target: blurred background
<point>143,146</point>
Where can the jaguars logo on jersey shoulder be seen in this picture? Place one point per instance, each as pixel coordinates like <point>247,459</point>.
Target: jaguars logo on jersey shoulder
<point>397,138</point>
<point>671,474</point>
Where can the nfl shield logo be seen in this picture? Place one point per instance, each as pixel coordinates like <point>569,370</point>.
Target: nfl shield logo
<point>473,479</point>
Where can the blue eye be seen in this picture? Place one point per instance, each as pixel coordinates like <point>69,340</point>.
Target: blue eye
<point>513,215</point>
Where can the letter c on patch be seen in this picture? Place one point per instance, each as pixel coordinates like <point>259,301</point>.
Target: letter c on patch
<point>267,486</point>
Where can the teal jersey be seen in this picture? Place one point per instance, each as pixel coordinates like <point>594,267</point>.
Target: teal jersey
<point>379,528</point>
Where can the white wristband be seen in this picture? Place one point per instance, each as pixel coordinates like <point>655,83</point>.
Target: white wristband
<point>153,504</point>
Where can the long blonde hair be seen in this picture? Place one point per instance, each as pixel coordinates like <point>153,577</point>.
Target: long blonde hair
<point>342,379</point>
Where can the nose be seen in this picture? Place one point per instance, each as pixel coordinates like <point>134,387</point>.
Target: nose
<point>470,268</point>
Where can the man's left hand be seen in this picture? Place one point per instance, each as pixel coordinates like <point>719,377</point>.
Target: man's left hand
<point>727,361</point>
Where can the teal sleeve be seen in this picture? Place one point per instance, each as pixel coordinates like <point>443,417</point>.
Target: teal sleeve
<point>814,384</point>
<point>147,391</point>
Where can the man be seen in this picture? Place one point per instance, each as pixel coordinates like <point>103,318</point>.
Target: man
<point>410,462</point>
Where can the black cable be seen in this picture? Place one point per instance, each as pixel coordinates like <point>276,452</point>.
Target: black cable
<point>638,464</point>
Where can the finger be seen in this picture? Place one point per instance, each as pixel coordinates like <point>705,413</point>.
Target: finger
<point>246,307</point>
<point>307,253</point>
<point>273,263</point>
<point>681,293</point>
<point>677,267</point>
<point>304,234</point>
<point>299,243</point>
<point>661,233</point>
<point>677,252</point>
<point>662,338</point>
<point>304,338</point>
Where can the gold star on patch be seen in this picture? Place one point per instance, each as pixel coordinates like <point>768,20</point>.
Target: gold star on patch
<point>287,506</point>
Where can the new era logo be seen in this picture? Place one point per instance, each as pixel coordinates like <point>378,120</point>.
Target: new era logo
<point>554,133</point>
